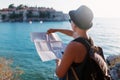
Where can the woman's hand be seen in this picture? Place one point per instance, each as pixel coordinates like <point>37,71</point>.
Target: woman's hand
<point>58,61</point>
<point>51,31</point>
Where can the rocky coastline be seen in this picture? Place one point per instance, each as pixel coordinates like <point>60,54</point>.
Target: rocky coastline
<point>114,66</point>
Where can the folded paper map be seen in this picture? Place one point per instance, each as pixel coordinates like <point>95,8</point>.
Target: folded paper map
<point>49,47</point>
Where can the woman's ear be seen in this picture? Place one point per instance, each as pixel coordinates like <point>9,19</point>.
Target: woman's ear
<point>73,26</point>
<point>72,23</point>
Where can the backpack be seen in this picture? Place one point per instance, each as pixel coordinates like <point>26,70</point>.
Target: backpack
<point>95,66</point>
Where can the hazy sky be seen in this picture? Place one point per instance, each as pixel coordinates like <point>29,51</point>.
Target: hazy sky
<point>101,8</point>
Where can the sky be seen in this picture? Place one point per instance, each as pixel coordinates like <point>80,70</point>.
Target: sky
<point>100,8</point>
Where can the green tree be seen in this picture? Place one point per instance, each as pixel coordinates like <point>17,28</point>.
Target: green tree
<point>53,16</point>
<point>15,16</point>
<point>21,6</point>
<point>48,14</point>
<point>3,16</point>
<point>12,16</point>
<point>44,14</point>
<point>29,14</point>
<point>11,6</point>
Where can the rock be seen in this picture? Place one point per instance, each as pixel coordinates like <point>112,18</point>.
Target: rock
<point>114,65</point>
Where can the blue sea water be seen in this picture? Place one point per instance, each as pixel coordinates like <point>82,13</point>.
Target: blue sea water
<point>15,44</point>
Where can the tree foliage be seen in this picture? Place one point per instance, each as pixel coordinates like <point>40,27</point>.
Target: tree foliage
<point>21,6</point>
<point>29,14</point>
<point>3,16</point>
<point>14,15</point>
<point>11,6</point>
<point>44,14</point>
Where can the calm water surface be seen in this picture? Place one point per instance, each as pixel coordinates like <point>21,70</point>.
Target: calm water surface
<point>15,43</point>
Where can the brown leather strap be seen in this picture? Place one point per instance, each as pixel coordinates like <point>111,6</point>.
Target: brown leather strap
<point>67,77</point>
<point>74,73</point>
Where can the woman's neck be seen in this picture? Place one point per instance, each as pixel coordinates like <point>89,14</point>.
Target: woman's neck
<point>81,33</point>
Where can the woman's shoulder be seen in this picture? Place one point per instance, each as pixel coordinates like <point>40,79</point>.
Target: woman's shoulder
<point>78,50</point>
<point>75,43</point>
<point>74,46</point>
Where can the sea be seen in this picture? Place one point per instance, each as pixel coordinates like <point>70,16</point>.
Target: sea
<point>16,44</point>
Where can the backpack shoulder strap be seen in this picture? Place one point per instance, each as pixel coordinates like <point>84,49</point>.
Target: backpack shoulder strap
<point>83,41</point>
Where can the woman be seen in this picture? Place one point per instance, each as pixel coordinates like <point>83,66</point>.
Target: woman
<point>75,52</point>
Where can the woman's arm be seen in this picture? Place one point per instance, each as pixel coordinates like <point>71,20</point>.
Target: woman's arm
<point>64,31</point>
